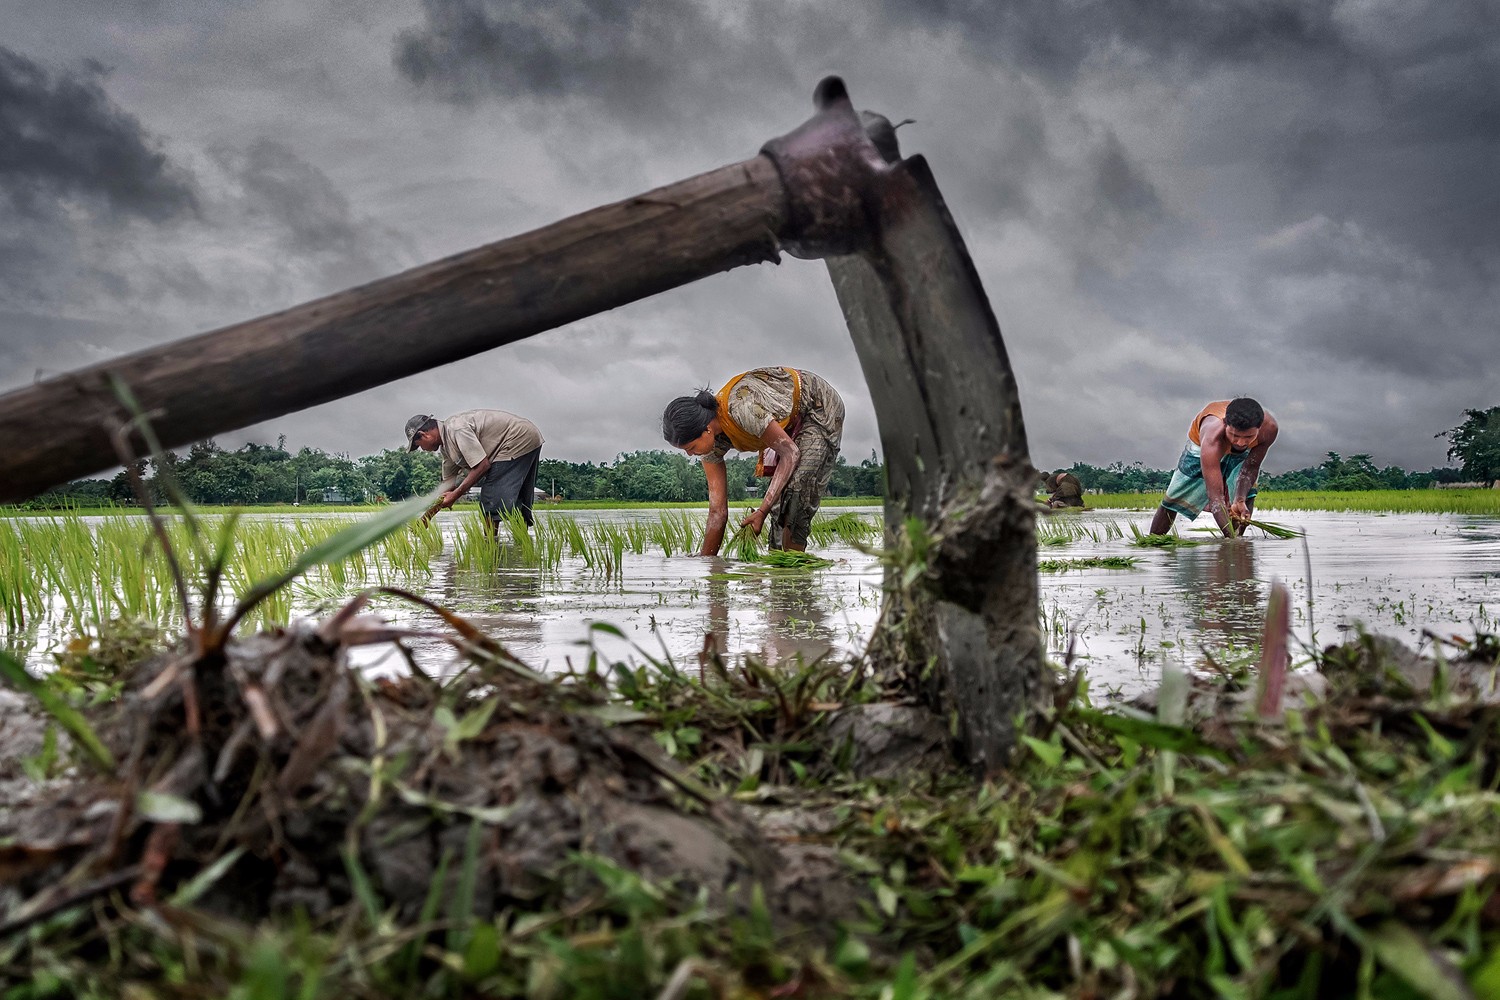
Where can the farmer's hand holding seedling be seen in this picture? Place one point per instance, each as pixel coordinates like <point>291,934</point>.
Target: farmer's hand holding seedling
<point>755,521</point>
<point>444,502</point>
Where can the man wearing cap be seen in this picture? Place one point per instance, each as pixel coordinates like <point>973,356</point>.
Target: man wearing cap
<point>495,450</point>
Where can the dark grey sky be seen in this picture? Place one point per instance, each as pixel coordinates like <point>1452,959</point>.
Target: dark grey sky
<point>1169,201</point>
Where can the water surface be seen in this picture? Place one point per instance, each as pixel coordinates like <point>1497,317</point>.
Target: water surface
<point>1398,574</point>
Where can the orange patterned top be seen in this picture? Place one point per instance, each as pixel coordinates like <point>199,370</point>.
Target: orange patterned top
<point>1212,409</point>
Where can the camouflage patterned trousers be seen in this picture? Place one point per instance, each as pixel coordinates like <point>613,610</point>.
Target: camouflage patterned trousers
<point>818,439</point>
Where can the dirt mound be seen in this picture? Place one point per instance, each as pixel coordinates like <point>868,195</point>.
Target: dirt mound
<point>313,784</point>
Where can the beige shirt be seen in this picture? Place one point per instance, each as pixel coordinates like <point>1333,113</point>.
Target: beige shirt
<point>470,437</point>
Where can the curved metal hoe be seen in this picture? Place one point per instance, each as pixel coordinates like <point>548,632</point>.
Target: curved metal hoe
<point>963,635</point>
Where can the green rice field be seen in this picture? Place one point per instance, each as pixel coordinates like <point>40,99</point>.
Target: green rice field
<point>1122,607</point>
<point>63,575</point>
<point>1466,501</point>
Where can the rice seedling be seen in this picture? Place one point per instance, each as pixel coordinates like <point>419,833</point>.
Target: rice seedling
<point>1056,531</point>
<point>578,545</point>
<point>1092,562</point>
<point>409,554</point>
<point>1169,541</point>
<point>1431,501</point>
<point>475,548</point>
<point>1269,527</point>
<point>72,573</point>
<point>789,559</point>
<point>743,545</point>
<point>677,532</point>
<point>21,596</point>
<point>847,528</point>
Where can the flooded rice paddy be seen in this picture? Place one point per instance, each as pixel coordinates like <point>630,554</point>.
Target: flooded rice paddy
<point>606,587</point>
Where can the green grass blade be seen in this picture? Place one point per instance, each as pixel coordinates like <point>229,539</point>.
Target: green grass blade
<point>1149,733</point>
<point>200,883</point>
<point>341,545</point>
<point>56,706</point>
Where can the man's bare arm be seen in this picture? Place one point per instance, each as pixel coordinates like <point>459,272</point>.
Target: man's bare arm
<point>456,494</point>
<point>1213,448</point>
<point>1267,437</point>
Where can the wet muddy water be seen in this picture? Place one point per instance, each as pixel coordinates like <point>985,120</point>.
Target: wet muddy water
<point>1398,574</point>
<point>1395,574</point>
<point>663,608</point>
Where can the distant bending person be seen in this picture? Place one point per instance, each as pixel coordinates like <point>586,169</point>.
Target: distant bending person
<point>1064,490</point>
<point>1227,441</point>
<point>792,417</point>
<point>497,451</point>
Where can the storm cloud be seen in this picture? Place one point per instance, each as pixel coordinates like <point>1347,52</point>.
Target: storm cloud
<point>1168,201</point>
<point>63,139</point>
<point>668,59</point>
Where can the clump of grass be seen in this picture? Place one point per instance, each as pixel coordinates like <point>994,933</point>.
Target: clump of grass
<point>1055,531</point>
<point>1092,562</point>
<point>787,559</point>
<point>1269,527</point>
<point>1167,541</point>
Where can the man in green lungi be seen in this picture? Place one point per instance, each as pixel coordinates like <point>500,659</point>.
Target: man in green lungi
<point>1226,444</point>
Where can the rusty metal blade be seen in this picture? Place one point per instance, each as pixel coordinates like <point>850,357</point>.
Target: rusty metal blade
<point>950,424</point>
<point>929,344</point>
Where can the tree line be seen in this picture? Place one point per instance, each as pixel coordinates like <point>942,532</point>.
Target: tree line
<point>1357,472</point>
<point>273,474</point>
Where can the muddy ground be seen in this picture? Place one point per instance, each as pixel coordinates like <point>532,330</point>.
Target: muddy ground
<point>307,771</point>
<point>277,782</point>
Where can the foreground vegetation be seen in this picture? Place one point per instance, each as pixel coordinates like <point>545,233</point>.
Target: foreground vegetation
<point>1232,841</point>
<point>1344,848</point>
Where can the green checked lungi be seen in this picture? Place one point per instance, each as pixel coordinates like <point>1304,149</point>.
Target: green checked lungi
<point>1187,494</point>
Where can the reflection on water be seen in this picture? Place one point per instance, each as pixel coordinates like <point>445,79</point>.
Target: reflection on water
<point>794,609</point>
<point>716,625</point>
<point>1219,585</point>
<point>509,599</point>
<point>1396,574</point>
<point>796,619</point>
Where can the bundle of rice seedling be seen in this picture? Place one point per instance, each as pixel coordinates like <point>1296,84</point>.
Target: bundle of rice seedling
<point>1145,541</point>
<point>743,545</point>
<point>1270,528</point>
<point>1091,562</point>
<point>787,559</point>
